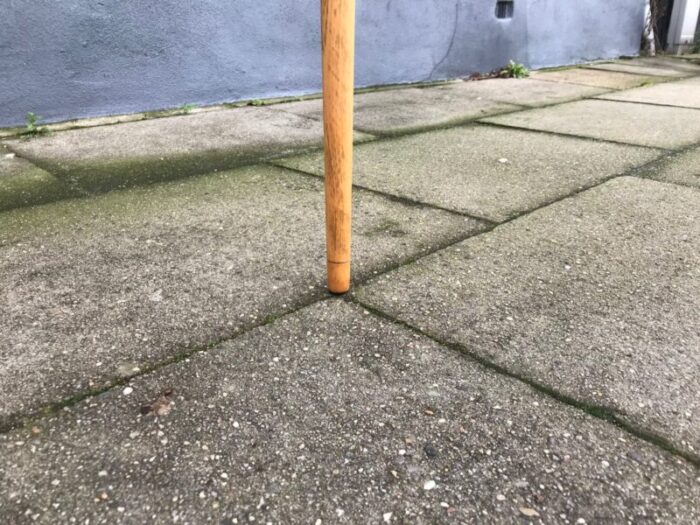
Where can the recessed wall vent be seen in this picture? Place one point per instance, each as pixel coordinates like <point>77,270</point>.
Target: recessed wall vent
<point>504,8</point>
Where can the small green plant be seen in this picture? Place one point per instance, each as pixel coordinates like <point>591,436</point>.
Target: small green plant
<point>186,109</point>
<point>256,102</point>
<point>515,70</point>
<point>32,127</point>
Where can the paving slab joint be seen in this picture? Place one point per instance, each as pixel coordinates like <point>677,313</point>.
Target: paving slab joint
<point>457,123</point>
<point>15,421</point>
<point>662,79</point>
<point>13,132</point>
<point>632,172</point>
<point>81,191</point>
<point>570,135</point>
<point>28,158</point>
<point>395,198</point>
<point>669,182</point>
<point>598,411</point>
<point>646,171</point>
<point>641,102</point>
<point>20,420</point>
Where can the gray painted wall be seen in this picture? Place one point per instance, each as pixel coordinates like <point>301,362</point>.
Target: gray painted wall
<point>76,58</point>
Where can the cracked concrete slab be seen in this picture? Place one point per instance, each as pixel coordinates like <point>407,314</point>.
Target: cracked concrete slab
<point>679,169</point>
<point>24,184</point>
<point>685,93</point>
<point>397,111</point>
<point>332,415</point>
<point>630,123</point>
<point>595,78</point>
<point>484,171</point>
<point>596,297</point>
<point>102,158</point>
<point>96,289</point>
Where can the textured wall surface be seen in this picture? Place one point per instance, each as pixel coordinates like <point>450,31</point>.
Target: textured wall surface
<point>76,58</point>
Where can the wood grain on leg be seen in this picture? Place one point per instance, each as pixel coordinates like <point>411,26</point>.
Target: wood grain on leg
<point>338,41</point>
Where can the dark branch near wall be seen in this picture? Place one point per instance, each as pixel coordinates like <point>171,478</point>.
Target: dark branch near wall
<point>656,24</point>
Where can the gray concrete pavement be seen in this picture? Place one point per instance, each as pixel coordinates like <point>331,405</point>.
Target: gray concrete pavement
<point>394,112</point>
<point>683,168</point>
<point>640,124</point>
<point>102,158</point>
<point>597,78</point>
<point>668,66</point>
<point>482,170</point>
<point>683,94</point>
<point>97,289</point>
<point>639,69</point>
<point>594,296</point>
<point>332,415</point>
<point>169,353</point>
<point>528,92</point>
<point>672,63</point>
<point>24,184</point>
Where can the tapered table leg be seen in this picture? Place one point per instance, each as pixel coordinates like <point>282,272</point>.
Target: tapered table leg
<point>338,42</point>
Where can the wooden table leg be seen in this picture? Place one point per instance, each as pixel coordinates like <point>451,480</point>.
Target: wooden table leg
<point>338,42</point>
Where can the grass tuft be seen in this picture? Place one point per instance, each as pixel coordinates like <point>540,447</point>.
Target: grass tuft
<point>32,125</point>
<point>515,70</point>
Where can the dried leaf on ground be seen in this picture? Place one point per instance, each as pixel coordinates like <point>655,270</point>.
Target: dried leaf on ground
<point>161,406</point>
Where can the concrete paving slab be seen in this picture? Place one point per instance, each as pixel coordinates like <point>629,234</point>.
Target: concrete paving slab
<point>24,184</point>
<point>680,169</point>
<point>682,94</point>
<point>526,91</point>
<point>106,157</point>
<point>638,69</point>
<point>106,120</point>
<point>398,111</point>
<point>331,415</point>
<point>488,172</point>
<point>691,58</point>
<point>94,289</point>
<point>596,297</point>
<point>595,78</point>
<point>641,124</point>
<point>668,63</point>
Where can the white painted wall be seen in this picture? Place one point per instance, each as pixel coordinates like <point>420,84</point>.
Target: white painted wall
<point>684,21</point>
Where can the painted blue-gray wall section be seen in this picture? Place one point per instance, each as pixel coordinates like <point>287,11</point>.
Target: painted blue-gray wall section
<point>66,59</point>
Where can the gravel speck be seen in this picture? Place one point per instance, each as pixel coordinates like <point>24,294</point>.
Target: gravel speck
<point>430,450</point>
